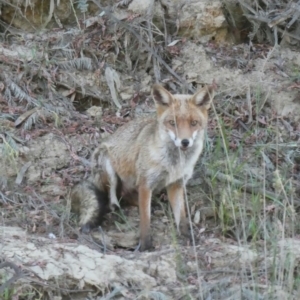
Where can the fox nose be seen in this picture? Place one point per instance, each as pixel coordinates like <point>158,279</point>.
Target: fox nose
<point>185,143</point>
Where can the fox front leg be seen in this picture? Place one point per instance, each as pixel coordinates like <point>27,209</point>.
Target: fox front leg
<point>113,185</point>
<point>176,198</point>
<point>145,195</point>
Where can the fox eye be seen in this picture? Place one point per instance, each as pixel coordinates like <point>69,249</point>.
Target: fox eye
<point>194,123</point>
<point>172,122</point>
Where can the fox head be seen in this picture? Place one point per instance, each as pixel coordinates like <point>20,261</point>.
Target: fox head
<point>182,118</point>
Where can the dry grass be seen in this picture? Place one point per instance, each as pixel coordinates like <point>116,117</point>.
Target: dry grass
<point>249,194</point>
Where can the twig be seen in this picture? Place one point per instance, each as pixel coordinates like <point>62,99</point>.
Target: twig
<point>282,17</point>
<point>245,5</point>
<point>216,271</point>
<point>148,48</point>
<point>22,172</point>
<point>241,123</point>
<point>289,34</point>
<point>103,239</point>
<point>257,18</point>
<point>294,19</point>
<point>266,20</point>
<point>75,15</point>
<point>274,146</point>
<point>50,15</point>
<point>250,119</point>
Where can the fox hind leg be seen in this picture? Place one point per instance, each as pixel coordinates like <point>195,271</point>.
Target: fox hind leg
<point>103,169</point>
<point>93,198</point>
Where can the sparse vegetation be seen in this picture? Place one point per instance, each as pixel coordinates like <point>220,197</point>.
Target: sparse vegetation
<point>58,61</point>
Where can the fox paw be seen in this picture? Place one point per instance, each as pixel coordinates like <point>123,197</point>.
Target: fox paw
<point>185,232</point>
<point>145,244</point>
<point>114,204</point>
<point>113,207</point>
<point>184,228</point>
<point>86,228</point>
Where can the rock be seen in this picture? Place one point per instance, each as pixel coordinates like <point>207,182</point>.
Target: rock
<point>83,266</point>
<point>95,112</point>
<point>141,6</point>
<point>201,20</point>
<point>128,239</point>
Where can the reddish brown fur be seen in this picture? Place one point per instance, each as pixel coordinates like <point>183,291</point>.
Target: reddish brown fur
<point>148,154</point>
<point>145,195</point>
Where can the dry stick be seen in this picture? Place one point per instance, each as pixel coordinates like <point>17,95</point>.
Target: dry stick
<point>289,34</point>
<point>294,19</point>
<point>269,53</point>
<point>169,69</point>
<point>265,20</point>
<point>103,239</point>
<point>281,18</point>
<point>245,5</point>
<point>50,15</point>
<point>241,123</point>
<point>193,243</point>
<point>265,220</point>
<point>217,271</point>
<point>22,172</point>
<point>257,18</point>
<point>250,119</point>
<point>75,15</point>
<point>190,223</point>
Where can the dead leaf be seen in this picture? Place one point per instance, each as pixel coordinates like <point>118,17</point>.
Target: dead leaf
<point>173,43</point>
<point>91,21</point>
<point>262,120</point>
<point>22,173</point>
<point>197,217</point>
<point>68,92</point>
<point>201,230</point>
<point>25,116</point>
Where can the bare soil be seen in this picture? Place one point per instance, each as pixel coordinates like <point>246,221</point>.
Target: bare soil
<point>244,198</point>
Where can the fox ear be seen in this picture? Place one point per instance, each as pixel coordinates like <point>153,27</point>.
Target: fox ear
<point>204,96</point>
<point>160,95</point>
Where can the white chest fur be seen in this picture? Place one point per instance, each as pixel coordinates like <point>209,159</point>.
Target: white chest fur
<point>185,167</point>
<point>182,168</point>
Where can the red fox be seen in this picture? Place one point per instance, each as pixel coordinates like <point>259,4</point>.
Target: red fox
<point>144,156</point>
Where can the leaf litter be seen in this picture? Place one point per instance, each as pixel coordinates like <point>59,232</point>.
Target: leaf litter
<point>244,202</point>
